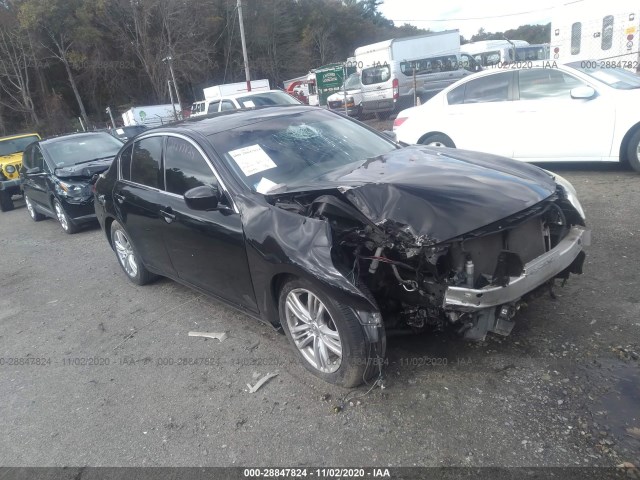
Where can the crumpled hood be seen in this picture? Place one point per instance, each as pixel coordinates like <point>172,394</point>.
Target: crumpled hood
<point>86,170</point>
<point>437,194</point>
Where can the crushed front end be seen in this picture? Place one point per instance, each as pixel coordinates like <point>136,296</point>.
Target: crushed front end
<point>475,282</point>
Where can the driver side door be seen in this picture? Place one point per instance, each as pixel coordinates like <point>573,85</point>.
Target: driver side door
<point>206,248</point>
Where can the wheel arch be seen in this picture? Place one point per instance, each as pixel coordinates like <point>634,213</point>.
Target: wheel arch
<point>625,142</point>
<point>363,301</point>
<point>434,132</point>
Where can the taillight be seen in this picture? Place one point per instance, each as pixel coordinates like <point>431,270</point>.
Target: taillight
<point>398,121</point>
<point>396,89</point>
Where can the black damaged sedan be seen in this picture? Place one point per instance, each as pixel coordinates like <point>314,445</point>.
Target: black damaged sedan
<point>56,176</point>
<point>321,226</point>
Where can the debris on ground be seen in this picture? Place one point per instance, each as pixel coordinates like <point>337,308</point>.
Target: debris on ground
<point>220,336</point>
<point>261,382</point>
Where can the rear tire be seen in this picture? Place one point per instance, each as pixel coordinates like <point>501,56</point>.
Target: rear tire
<point>6,203</point>
<point>128,258</point>
<point>330,327</point>
<point>633,151</point>
<point>35,216</point>
<point>437,140</point>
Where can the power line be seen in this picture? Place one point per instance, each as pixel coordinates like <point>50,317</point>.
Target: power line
<point>476,18</point>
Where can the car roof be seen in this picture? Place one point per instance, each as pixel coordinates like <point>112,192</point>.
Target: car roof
<point>21,135</point>
<point>70,136</point>
<point>207,125</point>
<point>248,94</point>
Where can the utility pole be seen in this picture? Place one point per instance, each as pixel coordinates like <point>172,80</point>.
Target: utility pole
<point>113,122</point>
<point>169,59</point>
<point>244,47</point>
<point>173,105</point>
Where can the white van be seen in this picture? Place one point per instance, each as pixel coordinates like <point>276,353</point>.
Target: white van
<point>353,96</point>
<point>396,72</point>
<point>489,53</point>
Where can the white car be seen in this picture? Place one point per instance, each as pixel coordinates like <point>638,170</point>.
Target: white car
<point>538,112</point>
<point>245,100</point>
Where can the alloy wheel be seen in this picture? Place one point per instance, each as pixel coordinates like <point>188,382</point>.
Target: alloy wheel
<point>30,208</point>
<point>313,330</point>
<point>62,217</point>
<point>126,256</point>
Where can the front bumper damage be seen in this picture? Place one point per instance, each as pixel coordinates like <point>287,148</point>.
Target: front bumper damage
<point>494,306</point>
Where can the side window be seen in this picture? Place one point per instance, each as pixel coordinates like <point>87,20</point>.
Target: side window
<point>185,168</point>
<point>227,105</point>
<point>145,162</point>
<point>38,158</point>
<point>607,32</point>
<point>125,163</point>
<point>576,38</point>
<point>456,96</point>
<point>213,107</point>
<point>545,83</point>
<point>492,88</point>
<point>27,158</point>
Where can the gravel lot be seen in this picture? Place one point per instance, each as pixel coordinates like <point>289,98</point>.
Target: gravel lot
<point>110,387</point>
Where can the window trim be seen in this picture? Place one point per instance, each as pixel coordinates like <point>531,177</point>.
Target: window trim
<point>208,161</point>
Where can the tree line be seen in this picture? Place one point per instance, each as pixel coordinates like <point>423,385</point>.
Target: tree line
<point>66,60</point>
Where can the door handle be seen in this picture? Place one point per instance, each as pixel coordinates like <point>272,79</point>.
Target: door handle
<point>168,215</point>
<point>119,198</point>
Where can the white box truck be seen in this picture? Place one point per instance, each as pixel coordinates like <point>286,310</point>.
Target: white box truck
<point>218,91</point>
<point>151,115</point>
<point>396,72</point>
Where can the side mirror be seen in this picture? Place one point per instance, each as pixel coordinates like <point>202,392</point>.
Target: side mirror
<point>33,171</point>
<point>390,135</point>
<point>202,198</point>
<point>583,92</point>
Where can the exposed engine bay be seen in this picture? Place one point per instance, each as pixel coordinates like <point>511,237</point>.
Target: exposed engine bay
<point>409,274</point>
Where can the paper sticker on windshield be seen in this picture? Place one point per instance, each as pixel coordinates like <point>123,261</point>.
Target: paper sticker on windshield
<point>249,104</point>
<point>265,185</point>
<point>120,131</point>
<point>252,160</point>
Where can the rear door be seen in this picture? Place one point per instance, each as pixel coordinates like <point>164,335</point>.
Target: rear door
<point>207,248</point>
<point>137,197</point>
<point>479,114</point>
<point>377,88</point>
<point>35,184</point>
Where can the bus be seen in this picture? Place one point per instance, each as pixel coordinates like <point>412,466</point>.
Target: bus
<point>592,30</point>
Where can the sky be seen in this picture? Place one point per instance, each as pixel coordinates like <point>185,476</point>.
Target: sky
<point>468,15</point>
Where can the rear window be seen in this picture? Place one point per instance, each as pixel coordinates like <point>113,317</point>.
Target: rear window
<point>267,99</point>
<point>373,75</point>
<point>492,88</point>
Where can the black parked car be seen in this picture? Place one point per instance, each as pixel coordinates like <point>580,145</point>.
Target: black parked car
<point>56,175</point>
<point>319,225</point>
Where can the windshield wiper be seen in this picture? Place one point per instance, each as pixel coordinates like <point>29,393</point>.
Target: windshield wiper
<point>95,159</point>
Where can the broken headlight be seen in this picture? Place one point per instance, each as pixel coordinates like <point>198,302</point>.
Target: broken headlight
<point>570,192</point>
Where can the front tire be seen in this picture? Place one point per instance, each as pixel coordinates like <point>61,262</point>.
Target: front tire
<point>437,140</point>
<point>35,216</point>
<point>6,203</point>
<point>127,257</point>
<point>326,335</point>
<point>65,222</point>
<point>633,151</point>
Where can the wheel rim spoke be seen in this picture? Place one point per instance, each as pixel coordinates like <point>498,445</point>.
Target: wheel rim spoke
<point>313,330</point>
<point>298,309</point>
